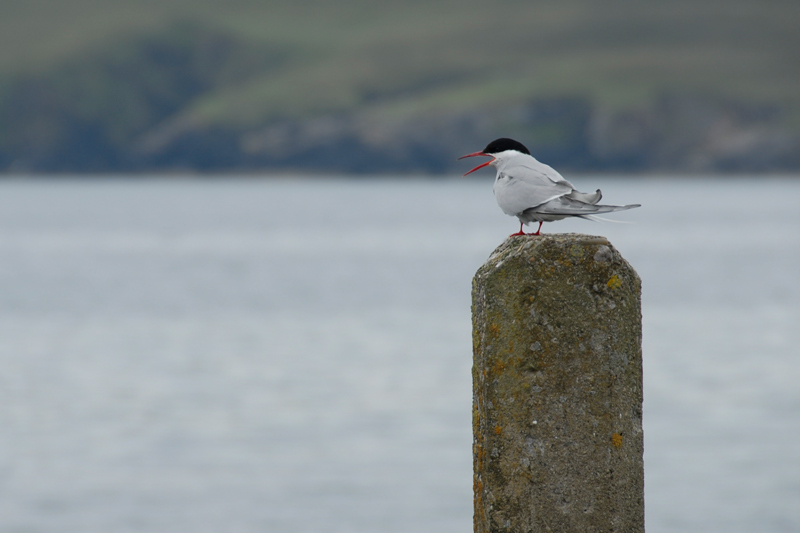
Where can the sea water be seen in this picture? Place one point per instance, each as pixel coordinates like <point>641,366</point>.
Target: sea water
<point>293,355</point>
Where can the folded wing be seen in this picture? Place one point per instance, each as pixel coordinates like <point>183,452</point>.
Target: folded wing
<point>567,206</point>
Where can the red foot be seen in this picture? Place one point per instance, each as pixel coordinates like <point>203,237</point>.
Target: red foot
<point>520,232</point>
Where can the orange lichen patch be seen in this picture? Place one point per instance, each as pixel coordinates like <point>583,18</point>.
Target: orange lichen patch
<point>480,457</point>
<point>498,430</point>
<point>616,440</point>
<point>498,366</point>
<point>614,282</point>
<point>476,341</point>
<point>494,330</point>
<point>479,515</point>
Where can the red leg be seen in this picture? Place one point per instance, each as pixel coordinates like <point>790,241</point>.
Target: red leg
<point>520,232</point>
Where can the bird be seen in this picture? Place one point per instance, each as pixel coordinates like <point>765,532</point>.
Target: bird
<point>534,192</point>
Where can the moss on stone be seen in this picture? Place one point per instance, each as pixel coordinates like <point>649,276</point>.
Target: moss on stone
<point>557,384</point>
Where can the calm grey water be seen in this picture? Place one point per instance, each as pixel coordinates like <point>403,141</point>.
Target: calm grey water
<point>284,355</point>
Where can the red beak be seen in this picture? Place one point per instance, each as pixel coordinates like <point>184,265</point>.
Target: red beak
<point>481,165</point>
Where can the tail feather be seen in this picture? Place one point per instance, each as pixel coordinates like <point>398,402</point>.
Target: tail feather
<point>567,206</point>
<point>595,218</point>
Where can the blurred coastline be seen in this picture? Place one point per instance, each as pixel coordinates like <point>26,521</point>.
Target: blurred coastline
<point>406,87</point>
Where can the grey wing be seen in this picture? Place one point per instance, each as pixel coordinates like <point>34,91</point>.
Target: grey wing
<point>564,205</point>
<point>538,170</point>
<point>589,198</point>
<point>521,187</point>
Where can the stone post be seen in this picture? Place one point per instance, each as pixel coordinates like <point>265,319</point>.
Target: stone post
<point>557,388</point>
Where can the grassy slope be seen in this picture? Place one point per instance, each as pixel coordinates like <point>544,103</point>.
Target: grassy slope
<point>418,56</point>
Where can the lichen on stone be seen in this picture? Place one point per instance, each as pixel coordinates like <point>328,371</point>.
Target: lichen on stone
<point>557,340</point>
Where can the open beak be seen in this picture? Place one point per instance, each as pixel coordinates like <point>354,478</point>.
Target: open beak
<point>475,155</point>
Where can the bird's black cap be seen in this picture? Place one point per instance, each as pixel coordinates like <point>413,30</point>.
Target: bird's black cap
<point>503,144</point>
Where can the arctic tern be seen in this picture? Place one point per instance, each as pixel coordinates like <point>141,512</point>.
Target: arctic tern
<point>535,192</point>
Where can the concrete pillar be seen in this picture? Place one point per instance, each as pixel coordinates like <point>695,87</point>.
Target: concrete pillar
<point>557,388</point>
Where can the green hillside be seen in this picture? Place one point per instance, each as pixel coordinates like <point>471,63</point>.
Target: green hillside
<point>145,84</point>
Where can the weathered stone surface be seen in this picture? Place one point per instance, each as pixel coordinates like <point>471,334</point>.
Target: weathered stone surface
<point>557,388</point>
